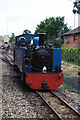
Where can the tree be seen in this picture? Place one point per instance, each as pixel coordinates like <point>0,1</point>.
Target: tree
<point>12,39</point>
<point>76,8</point>
<point>26,31</point>
<point>54,29</point>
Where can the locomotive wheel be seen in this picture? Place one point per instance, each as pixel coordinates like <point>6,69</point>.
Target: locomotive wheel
<point>23,77</point>
<point>15,68</point>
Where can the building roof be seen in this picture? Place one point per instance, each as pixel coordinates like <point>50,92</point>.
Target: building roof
<point>74,31</point>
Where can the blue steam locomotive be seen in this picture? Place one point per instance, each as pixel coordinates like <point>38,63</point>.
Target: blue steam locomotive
<point>39,64</point>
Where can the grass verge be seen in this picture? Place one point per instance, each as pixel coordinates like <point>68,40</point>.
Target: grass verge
<point>69,88</point>
<point>70,72</point>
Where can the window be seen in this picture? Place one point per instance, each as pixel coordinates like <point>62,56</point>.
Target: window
<point>66,39</point>
<point>74,38</point>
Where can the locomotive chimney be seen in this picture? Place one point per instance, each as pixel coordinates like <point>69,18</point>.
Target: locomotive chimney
<point>41,38</point>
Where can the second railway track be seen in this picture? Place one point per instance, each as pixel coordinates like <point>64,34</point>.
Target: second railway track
<point>7,59</point>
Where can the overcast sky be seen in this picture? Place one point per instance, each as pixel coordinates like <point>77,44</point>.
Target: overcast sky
<point>18,15</point>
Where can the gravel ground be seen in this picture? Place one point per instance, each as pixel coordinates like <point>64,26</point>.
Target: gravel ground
<point>0,86</point>
<point>72,98</point>
<point>17,100</point>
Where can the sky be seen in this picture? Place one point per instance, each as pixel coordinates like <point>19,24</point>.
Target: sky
<point>18,15</point>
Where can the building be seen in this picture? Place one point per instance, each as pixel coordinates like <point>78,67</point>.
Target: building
<point>4,39</point>
<point>72,38</point>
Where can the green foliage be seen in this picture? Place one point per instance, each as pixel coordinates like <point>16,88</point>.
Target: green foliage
<point>76,8</point>
<point>12,38</point>
<point>71,54</point>
<point>54,29</point>
<point>26,31</point>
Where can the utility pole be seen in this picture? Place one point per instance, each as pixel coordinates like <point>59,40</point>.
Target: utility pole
<point>78,19</point>
<point>74,20</point>
<point>78,14</point>
<point>7,26</point>
<point>76,10</point>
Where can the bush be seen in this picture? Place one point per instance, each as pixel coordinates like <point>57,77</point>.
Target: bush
<point>71,54</point>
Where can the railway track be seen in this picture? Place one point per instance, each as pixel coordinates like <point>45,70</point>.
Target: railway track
<point>7,59</point>
<point>59,107</point>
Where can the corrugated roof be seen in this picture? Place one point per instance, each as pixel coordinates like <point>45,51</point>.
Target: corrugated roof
<point>74,31</point>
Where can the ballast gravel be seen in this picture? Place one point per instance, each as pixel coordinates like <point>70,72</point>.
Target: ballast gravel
<point>19,102</point>
<point>71,97</point>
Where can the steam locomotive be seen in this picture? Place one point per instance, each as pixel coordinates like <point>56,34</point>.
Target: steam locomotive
<point>39,64</point>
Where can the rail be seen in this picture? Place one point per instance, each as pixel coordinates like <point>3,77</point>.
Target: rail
<point>58,106</point>
<point>7,59</point>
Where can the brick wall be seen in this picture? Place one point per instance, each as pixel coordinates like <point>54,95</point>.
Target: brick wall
<point>71,40</point>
